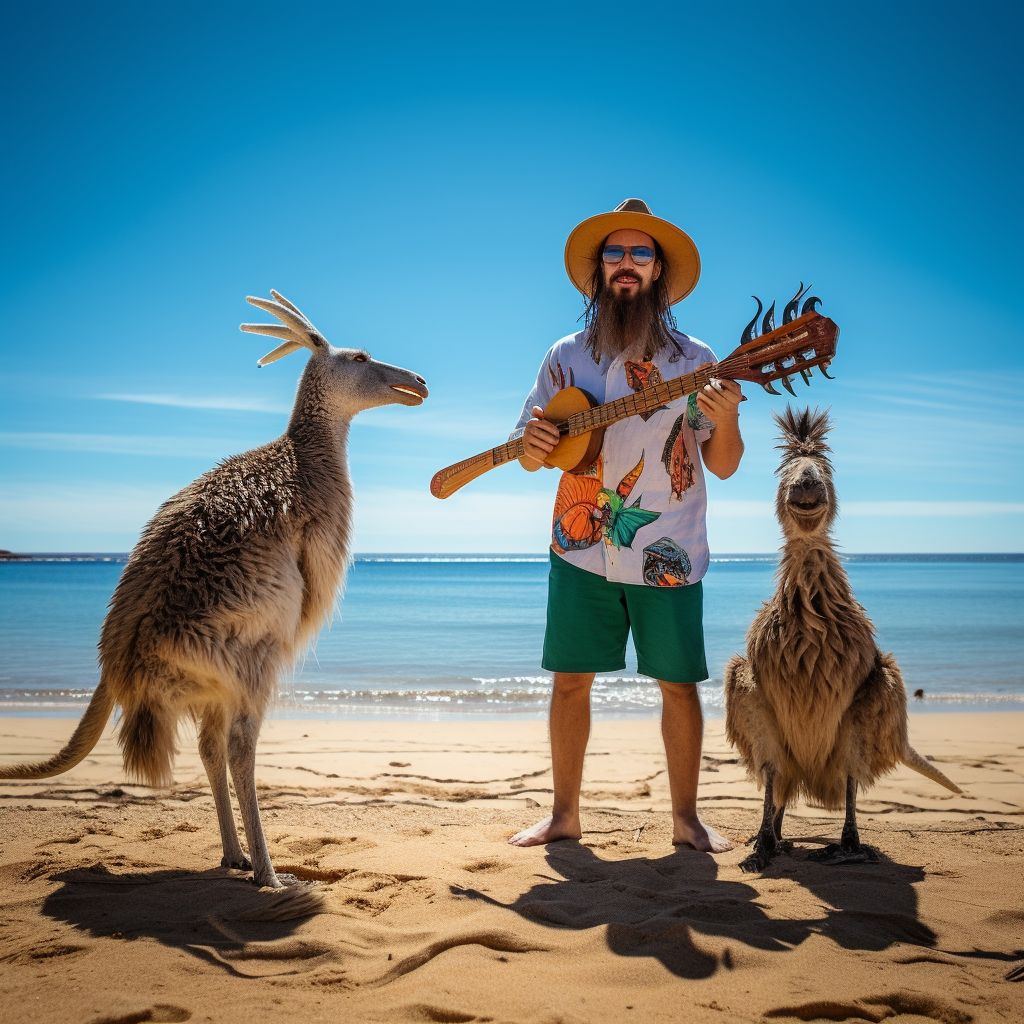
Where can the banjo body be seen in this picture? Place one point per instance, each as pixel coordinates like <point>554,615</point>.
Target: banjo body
<point>573,453</point>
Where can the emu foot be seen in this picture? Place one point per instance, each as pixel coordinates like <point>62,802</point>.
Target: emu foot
<point>241,863</point>
<point>844,853</point>
<point>766,846</point>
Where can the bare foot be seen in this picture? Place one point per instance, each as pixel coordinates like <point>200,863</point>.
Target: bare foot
<point>693,832</point>
<point>547,831</point>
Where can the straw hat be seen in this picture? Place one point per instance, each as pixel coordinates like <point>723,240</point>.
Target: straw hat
<point>682,261</point>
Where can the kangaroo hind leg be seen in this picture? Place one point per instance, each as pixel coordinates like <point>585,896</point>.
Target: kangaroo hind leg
<point>213,749</point>
<point>244,731</point>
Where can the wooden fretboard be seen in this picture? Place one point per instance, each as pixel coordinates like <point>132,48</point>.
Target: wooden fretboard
<point>645,400</point>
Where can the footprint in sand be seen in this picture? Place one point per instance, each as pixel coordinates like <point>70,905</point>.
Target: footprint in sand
<point>44,951</point>
<point>315,845</point>
<point>486,865</point>
<point>158,1013</point>
<point>876,1009</point>
<point>421,1011</point>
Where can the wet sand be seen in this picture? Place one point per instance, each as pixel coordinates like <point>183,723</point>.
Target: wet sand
<point>416,909</point>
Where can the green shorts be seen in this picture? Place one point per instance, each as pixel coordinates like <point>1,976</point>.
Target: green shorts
<point>589,619</point>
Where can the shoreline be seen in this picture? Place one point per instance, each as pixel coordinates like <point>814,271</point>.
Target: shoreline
<point>71,713</point>
<point>445,711</point>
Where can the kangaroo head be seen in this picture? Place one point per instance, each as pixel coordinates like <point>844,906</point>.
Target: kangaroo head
<point>344,380</point>
<point>805,502</point>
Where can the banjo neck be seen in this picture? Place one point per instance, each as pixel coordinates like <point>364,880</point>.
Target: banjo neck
<point>600,416</point>
<point>646,400</point>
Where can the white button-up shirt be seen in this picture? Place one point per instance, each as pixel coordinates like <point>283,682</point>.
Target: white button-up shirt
<point>638,514</point>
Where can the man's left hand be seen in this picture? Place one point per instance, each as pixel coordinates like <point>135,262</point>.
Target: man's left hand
<point>720,401</point>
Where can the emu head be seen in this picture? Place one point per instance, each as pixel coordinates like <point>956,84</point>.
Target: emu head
<point>343,380</point>
<point>805,503</point>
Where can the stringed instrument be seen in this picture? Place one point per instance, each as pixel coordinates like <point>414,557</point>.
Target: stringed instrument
<point>798,345</point>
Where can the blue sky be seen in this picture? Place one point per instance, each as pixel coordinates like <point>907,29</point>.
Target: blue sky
<point>408,175</point>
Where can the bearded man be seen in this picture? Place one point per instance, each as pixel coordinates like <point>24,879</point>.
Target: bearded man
<point>629,543</point>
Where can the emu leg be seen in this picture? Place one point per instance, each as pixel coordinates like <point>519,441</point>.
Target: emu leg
<point>242,758</point>
<point>767,842</point>
<point>214,754</point>
<point>777,824</point>
<point>848,849</point>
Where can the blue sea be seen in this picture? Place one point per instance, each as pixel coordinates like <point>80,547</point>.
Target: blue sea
<point>459,636</point>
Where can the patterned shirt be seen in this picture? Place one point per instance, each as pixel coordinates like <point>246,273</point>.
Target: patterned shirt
<point>638,514</point>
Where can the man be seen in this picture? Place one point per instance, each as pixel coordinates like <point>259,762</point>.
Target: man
<point>629,544</point>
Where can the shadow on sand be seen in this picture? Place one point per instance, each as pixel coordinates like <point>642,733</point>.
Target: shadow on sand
<point>655,907</point>
<point>210,914</point>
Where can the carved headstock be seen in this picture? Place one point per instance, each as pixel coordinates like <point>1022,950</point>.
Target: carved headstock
<point>802,342</point>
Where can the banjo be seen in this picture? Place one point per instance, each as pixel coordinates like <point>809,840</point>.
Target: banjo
<point>801,343</point>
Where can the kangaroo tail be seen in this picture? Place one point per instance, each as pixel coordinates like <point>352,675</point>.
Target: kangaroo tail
<point>83,739</point>
<point>912,759</point>
<point>147,737</point>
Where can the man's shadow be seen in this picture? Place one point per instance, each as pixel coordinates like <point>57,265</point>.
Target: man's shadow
<point>209,914</point>
<point>656,907</point>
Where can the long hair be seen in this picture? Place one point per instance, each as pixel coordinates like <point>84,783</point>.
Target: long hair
<point>642,325</point>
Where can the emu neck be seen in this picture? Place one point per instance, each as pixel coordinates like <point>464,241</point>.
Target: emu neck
<point>813,585</point>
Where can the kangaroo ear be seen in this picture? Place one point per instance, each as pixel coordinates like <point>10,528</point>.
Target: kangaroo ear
<point>297,331</point>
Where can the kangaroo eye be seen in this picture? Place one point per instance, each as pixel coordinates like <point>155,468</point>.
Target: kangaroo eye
<point>361,358</point>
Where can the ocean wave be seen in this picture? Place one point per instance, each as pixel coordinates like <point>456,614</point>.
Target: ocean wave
<point>520,693</point>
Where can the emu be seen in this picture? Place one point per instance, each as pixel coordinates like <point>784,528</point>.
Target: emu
<point>815,709</point>
<point>228,584</point>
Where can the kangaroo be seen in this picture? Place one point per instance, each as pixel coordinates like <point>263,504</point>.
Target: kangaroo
<point>229,583</point>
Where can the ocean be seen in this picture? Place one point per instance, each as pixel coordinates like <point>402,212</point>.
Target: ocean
<point>459,636</point>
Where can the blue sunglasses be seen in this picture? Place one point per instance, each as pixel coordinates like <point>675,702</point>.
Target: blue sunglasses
<point>640,254</point>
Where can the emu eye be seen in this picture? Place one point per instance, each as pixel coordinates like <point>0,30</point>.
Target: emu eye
<point>360,358</point>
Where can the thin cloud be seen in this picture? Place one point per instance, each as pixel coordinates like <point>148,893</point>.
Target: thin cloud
<point>915,509</point>
<point>125,444</point>
<point>740,509</point>
<point>225,402</point>
<point>73,516</point>
<point>438,422</point>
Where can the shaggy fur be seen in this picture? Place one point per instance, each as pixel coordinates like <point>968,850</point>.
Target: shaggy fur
<point>816,710</point>
<point>229,583</point>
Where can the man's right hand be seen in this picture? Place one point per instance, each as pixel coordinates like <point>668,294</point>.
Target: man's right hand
<point>539,437</point>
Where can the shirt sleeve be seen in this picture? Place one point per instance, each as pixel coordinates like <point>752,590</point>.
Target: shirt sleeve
<point>543,391</point>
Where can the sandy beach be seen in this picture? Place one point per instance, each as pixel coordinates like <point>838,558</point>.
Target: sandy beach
<point>416,909</point>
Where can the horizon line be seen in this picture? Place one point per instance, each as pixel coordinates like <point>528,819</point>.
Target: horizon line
<point>8,555</point>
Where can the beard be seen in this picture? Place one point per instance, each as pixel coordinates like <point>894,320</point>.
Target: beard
<point>629,325</point>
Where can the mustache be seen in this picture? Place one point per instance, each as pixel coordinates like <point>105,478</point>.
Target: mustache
<point>625,273</point>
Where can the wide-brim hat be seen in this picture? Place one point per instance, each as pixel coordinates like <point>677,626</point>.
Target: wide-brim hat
<point>681,261</point>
